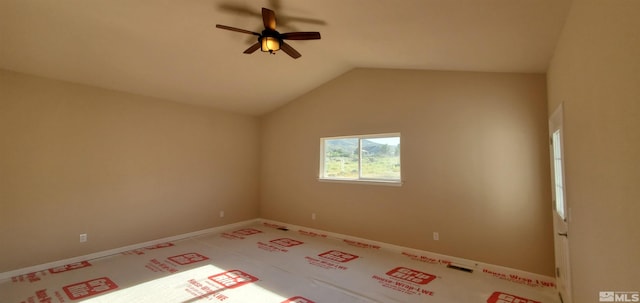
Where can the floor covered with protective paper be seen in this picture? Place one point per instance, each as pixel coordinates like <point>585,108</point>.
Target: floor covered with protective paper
<point>271,262</point>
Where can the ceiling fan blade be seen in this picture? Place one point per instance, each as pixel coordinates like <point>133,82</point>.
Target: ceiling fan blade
<point>290,51</point>
<point>235,29</point>
<point>269,19</point>
<point>239,9</point>
<point>252,48</point>
<point>301,36</point>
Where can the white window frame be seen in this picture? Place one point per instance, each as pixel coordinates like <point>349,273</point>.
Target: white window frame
<point>359,179</point>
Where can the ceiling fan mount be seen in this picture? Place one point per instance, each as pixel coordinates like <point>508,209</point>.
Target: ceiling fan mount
<point>270,40</point>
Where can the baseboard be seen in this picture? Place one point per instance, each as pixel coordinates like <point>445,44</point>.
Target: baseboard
<point>106,253</point>
<point>495,271</point>
<point>491,270</point>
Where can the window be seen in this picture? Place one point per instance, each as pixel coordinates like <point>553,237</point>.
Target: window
<point>557,174</point>
<point>367,158</point>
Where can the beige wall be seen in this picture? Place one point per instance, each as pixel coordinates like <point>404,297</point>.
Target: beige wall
<point>595,73</point>
<point>123,168</point>
<point>474,162</point>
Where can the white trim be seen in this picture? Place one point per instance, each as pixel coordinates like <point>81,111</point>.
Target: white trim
<point>366,136</point>
<point>105,253</point>
<point>359,180</point>
<point>537,280</point>
<point>475,265</point>
<point>392,247</point>
<point>363,182</point>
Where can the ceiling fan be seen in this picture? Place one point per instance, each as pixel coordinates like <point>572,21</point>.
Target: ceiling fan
<point>271,40</point>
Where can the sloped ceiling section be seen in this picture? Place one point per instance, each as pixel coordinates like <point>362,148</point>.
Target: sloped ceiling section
<point>172,50</point>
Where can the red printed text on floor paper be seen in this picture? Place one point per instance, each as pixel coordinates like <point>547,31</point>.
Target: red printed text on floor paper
<point>43,296</point>
<point>233,278</point>
<point>37,276</point>
<point>519,279</point>
<point>69,267</point>
<point>276,226</point>
<point>297,299</point>
<point>406,280</point>
<point>143,250</point>
<point>411,275</point>
<point>89,288</point>
<point>360,244</point>
<point>311,234</point>
<point>213,287</point>
<point>188,258</point>
<point>286,242</point>
<point>246,232</point>
<point>426,259</point>
<point>338,256</point>
<point>500,297</point>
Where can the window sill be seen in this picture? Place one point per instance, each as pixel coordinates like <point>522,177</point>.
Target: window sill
<point>363,182</point>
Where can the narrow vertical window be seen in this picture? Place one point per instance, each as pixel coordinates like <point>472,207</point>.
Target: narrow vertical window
<point>557,174</point>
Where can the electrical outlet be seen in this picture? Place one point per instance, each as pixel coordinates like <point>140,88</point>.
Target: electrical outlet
<point>313,216</point>
<point>83,238</point>
<point>222,214</point>
<point>436,236</point>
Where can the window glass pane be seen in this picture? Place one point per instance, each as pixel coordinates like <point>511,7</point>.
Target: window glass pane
<point>381,158</point>
<point>367,158</point>
<point>557,172</point>
<point>341,158</point>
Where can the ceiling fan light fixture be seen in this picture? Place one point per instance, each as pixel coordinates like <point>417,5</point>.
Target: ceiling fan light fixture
<point>269,44</point>
<point>271,40</point>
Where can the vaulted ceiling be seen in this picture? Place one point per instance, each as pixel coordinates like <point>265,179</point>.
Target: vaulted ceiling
<point>170,49</point>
